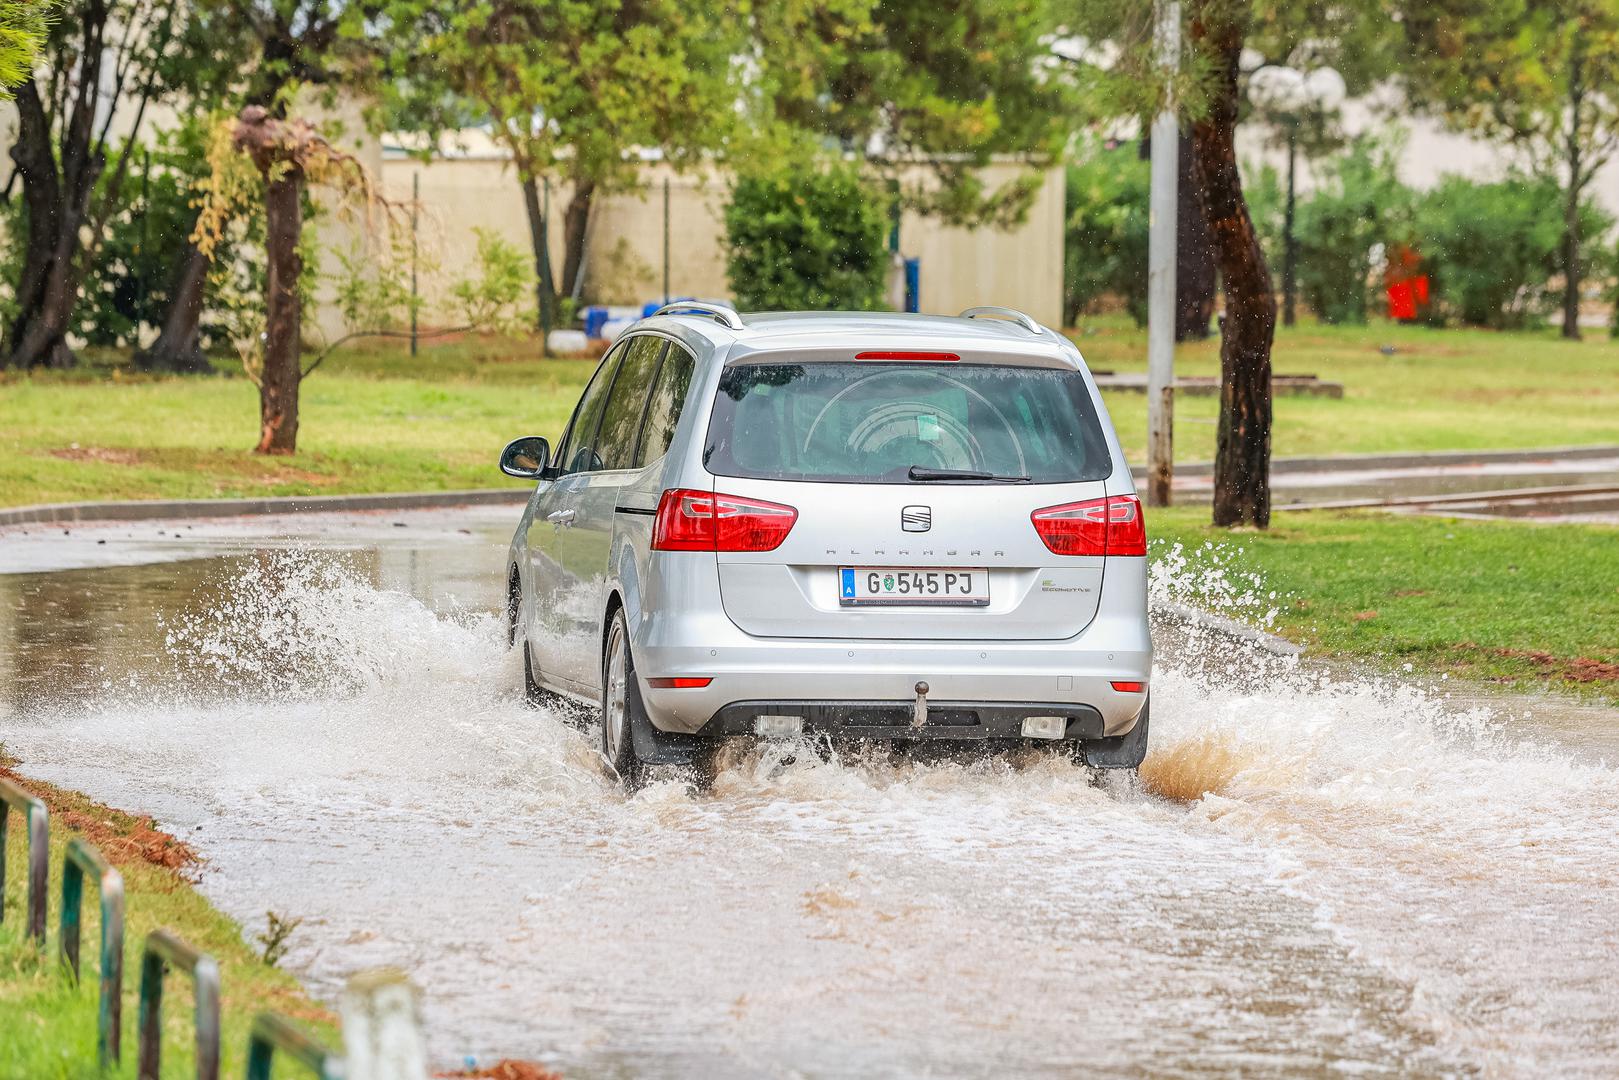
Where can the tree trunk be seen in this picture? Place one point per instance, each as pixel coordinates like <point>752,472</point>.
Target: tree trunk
<point>1571,205</point>
<point>57,201</point>
<point>545,293</point>
<point>178,346</point>
<point>1571,266</point>
<point>575,223</point>
<point>1242,451</point>
<point>1194,254</point>
<point>283,325</point>
<point>1290,242</point>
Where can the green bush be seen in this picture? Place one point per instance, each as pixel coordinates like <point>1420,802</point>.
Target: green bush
<point>147,235</point>
<point>1357,207</point>
<point>132,272</point>
<point>1491,250</point>
<point>500,297</point>
<point>807,239</point>
<point>1105,238</point>
<point>1264,189</point>
<point>1360,205</point>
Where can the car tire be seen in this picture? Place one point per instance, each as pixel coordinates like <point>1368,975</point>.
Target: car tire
<point>535,695</point>
<point>622,708</point>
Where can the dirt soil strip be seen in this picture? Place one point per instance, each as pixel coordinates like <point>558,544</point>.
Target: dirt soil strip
<point>125,839</point>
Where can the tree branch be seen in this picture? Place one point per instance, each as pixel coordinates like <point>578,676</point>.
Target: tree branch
<point>310,370</point>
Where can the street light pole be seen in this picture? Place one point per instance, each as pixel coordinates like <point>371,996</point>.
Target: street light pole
<point>1161,272</point>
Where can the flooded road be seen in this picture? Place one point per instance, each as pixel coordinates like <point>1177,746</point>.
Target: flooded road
<point>1319,874</point>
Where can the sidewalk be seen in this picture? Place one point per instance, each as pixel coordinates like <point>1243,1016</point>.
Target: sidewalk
<point>1362,480</point>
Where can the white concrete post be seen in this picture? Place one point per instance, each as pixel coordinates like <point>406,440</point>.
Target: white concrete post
<point>382,1027</point>
<point>1161,272</point>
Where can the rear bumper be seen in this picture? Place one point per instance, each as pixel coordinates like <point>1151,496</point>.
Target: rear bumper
<point>686,634</point>
<point>1058,675</point>
<point>964,720</point>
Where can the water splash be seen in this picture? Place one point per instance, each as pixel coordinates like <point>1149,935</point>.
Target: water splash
<point>301,625</point>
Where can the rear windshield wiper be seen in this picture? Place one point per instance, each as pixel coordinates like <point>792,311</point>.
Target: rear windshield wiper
<point>922,474</point>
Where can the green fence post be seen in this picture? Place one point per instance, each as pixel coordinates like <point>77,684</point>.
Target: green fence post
<point>38,818</point>
<point>82,858</point>
<point>272,1032</point>
<point>161,951</point>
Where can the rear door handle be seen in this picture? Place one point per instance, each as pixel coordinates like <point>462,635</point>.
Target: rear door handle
<point>560,517</point>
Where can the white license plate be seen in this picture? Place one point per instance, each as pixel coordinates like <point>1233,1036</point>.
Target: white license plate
<point>874,585</point>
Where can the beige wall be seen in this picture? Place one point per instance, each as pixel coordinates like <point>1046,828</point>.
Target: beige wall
<point>476,187</point>
<point>1020,268</point>
<point>960,267</point>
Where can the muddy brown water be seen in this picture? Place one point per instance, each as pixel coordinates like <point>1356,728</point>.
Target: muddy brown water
<point>1321,874</point>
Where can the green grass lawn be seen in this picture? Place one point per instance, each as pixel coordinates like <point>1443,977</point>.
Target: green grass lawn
<point>375,419</point>
<point>48,1024</point>
<point>371,420</point>
<point>1439,390</point>
<point>1512,602</point>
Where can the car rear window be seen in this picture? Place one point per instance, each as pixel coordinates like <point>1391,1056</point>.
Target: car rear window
<point>870,422</point>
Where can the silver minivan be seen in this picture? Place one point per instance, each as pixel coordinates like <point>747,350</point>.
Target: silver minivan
<point>857,525</point>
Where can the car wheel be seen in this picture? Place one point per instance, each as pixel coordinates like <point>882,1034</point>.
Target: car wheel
<point>621,707</point>
<point>535,695</point>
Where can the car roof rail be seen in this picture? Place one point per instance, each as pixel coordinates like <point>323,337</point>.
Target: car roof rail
<point>1009,314</point>
<point>721,310</point>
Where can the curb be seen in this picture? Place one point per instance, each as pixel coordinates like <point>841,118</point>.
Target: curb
<point>1240,631</point>
<point>1406,461</point>
<point>166,509</point>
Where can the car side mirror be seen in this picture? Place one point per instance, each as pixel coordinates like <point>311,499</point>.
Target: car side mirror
<point>526,458</point>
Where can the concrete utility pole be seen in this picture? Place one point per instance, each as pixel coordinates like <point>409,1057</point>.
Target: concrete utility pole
<point>1161,272</point>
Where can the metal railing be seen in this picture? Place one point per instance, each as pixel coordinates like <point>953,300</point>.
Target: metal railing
<point>14,797</point>
<point>162,951</point>
<point>272,1032</point>
<point>81,860</point>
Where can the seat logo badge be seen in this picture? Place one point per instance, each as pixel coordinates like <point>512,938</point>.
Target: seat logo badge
<point>916,518</point>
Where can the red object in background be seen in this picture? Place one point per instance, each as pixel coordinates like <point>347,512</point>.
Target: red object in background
<point>1406,285</point>
<point>1402,301</point>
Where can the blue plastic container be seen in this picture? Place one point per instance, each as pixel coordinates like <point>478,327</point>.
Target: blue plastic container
<point>595,319</point>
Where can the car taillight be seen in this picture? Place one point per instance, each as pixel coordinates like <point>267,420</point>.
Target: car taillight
<point>1110,526</point>
<point>690,520</point>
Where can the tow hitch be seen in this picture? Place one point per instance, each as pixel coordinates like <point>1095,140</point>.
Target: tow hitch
<point>919,711</point>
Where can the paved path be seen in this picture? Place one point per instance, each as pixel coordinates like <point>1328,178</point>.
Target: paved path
<point>1573,483</point>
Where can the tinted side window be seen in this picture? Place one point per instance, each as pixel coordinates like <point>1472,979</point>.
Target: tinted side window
<point>627,403</point>
<point>663,408</point>
<point>578,452</point>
